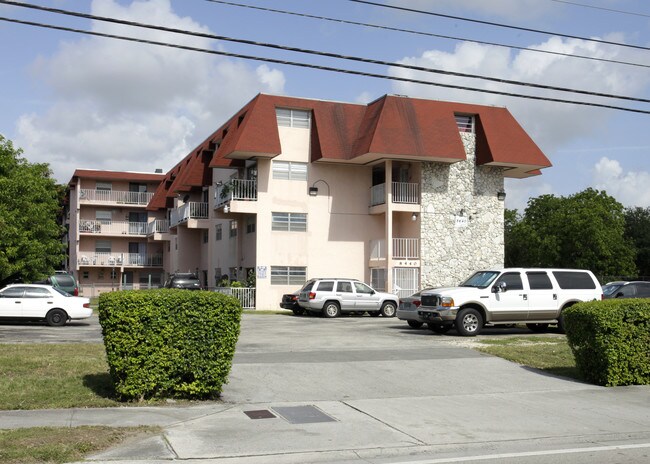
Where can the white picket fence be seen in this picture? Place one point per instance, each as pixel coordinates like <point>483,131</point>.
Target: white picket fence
<point>245,295</point>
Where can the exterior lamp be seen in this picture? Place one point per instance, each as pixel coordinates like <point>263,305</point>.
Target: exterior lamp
<point>501,195</point>
<point>313,191</point>
<point>414,217</point>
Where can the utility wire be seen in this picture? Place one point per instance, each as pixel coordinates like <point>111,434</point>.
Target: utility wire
<point>490,23</point>
<point>428,34</point>
<point>594,7</point>
<point>320,53</point>
<point>319,67</point>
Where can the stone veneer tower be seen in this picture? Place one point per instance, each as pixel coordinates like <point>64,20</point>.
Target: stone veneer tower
<point>462,219</point>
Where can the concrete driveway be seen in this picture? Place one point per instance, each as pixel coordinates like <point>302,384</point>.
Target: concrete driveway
<point>372,390</point>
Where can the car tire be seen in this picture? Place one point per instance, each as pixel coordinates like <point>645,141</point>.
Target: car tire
<point>538,328</point>
<point>56,318</point>
<point>388,309</point>
<point>298,311</point>
<point>373,313</point>
<point>415,324</point>
<point>331,309</point>
<point>439,328</point>
<point>469,322</point>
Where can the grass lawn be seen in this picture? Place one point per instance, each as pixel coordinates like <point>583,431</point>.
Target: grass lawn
<point>59,445</point>
<point>551,355</point>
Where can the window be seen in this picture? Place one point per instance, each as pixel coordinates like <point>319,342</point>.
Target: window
<point>205,236</point>
<point>465,123</point>
<point>289,170</point>
<point>288,275</point>
<point>574,280</point>
<point>289,222</point>
<point>233,229</point>
<point>250,225</point>
<point>102,246</point>
<point>343,287</point>
<point>104,217</point>
<point>363,288</point>
<point>326,286</point>
<point>85,275</point>
<point>218,231</point>
<point>293,118</point>
<point>113,273</point>
<point>539,281</point>
<point>512,280</point>
<point>105,186</point>
<point>378,278</point>
<point>34,292</point>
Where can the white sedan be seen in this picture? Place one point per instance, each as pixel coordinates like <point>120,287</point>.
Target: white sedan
<point>42,302</point>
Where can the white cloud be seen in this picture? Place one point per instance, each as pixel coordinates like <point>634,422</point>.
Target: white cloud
<point>511,9</point>
<point>630,188</point>
<point>127,106</point>
<point>519,191</point>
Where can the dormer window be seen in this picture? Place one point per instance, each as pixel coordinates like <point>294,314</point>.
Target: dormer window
<point>293,118</point>
<point>465,123</point>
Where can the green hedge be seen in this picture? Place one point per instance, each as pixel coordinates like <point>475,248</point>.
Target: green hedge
<point>169,343</point>
<point>610,340</point>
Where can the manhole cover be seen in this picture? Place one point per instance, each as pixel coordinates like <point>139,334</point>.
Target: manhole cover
<point>260,414</point>
<point>303,414</point>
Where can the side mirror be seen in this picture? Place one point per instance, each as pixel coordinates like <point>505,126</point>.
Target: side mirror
<point>500,287</point>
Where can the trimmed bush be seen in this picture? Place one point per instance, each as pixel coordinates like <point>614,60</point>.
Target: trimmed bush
<point>610,340</point>
<point>169,343</point>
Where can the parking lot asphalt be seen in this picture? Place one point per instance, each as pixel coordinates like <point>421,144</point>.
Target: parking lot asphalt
<point>371,390</point>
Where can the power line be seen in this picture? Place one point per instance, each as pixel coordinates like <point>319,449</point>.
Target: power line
<point>594,7</point>
<point>491,23</point>
<point>320,53</point>
<point>428,34</point>
<point>318,67</point>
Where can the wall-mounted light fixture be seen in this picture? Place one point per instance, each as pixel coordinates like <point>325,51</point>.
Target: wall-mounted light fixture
<point>226,209</point>
<point>313,191</point>
<point>414,217</point>
<point>501,195</point>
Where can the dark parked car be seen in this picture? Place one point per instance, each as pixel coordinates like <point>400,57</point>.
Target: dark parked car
<point>626,290</point>
<point>185,281</point>
<point>290,301</point>
<point>408,309</point>
<point>64,281</point>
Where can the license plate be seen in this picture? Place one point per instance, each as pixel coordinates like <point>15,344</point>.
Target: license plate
<point>424,315</point>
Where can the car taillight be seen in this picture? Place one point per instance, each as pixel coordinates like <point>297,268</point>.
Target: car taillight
<point>86,305</point>
<point>76,292</point>
<point>312,295</point>
<point>416,303</point>
<point>294,298</point>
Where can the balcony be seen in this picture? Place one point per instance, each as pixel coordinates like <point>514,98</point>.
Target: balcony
<point>403,249</point>
<point>235,190</point>
<point>103,227</point>
<point>403,193</point>
<point>105,259</point>
<point>114,197</point>
<point>158,229</point>
<point>189,214</point>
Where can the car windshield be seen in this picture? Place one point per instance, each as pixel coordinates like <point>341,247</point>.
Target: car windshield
<point>609,289</point>
<point>480,279</point>
<point>62,292</point>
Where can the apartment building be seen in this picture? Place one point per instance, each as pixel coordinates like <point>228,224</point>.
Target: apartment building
<point>110,232</point>
<point>403,193</point>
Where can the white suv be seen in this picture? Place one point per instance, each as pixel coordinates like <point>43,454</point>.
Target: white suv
<point>331,297</point>
<point>535,297</point>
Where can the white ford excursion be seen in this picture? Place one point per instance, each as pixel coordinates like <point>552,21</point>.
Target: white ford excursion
<point>535,297</point>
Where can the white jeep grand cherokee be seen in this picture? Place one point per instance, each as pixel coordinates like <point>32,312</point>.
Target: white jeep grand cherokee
<point>535,297</point>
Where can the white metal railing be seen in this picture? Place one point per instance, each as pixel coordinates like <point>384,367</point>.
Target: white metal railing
<point>406,192</point>
<point>158,226</point>
<point>235,189</point>
<point>190,210</point>
<point>115,196</point>
<point>100,258</point>
<point>245,295</point>
<point>378,249</point>
<point>87,226</point>
<point>406,248</point>
<point>378,194</point>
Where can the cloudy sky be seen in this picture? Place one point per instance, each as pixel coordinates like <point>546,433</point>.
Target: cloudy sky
<point>80,101</point>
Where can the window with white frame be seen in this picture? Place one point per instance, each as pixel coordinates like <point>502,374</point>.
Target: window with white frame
<point>250,225</point>
<point>465,122</point>
<point>289,222</point>
<point>102,246</point>
<point>288,275</point>
<point>233,228</point>
<point>218,232</point>
<point>104,217</point>
<point>206,237</point>
<point>104,186</point>
<point>289,170</point>
<point>288,117</point>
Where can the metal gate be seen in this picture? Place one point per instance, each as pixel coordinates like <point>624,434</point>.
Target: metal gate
<point>406,281</point>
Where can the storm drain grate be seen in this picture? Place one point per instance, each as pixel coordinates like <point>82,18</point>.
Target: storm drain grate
<point>260,414</point>
<point>303,414</point>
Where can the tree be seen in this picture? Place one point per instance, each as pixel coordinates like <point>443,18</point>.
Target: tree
<point>637,231</point>
<point>584,230</point>
<point>30,241</point>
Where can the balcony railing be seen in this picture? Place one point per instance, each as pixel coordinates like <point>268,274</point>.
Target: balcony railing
<point>120,259</point>
<point>159,226</point>
<point>115,197</point>
<point>403,248</point>
<point>235,189</point>
<point>403,192</point>
<point>104,227</point>
<point>191,210</point>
